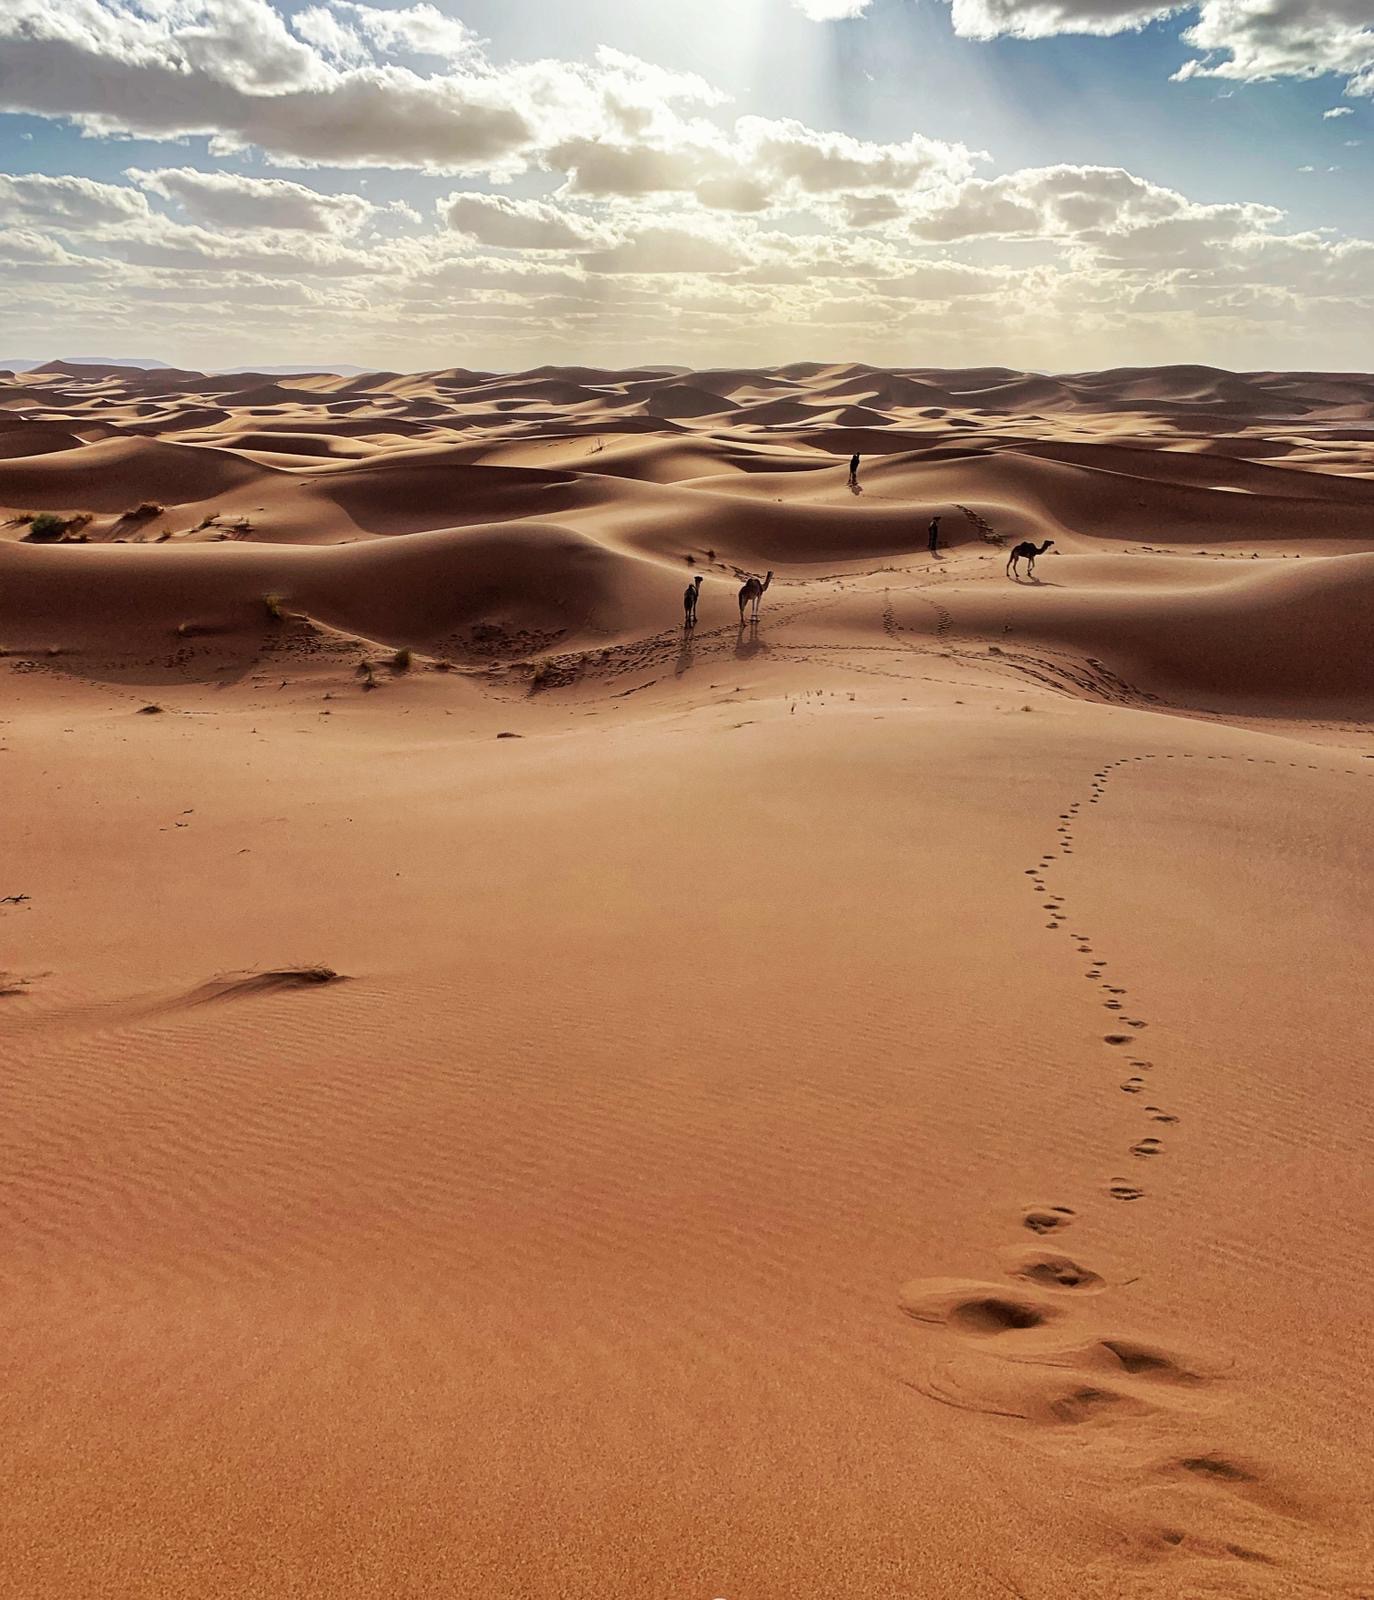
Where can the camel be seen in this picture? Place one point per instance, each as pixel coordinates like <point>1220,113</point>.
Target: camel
<point>753,591</point>
<point>689,602</point>
<point>1026,552</point>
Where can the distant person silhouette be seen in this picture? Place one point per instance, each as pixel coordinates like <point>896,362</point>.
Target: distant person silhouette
<point>689,603</point>
<point>854,468</point>
<point>934,535</point>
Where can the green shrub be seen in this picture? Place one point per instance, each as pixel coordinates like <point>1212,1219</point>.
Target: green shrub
<point>46,528</point>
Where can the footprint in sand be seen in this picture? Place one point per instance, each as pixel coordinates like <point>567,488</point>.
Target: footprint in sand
<point>1120,1189</point>
<point>1160,1116</point>
<point>983,1310</point>
<point>1134,1086</point>
<point>1047,1219</point>
<point>1148,1147</point>
<point>1055,1272</point>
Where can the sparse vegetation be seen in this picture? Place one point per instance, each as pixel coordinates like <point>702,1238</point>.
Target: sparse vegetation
<point>274,605</point>
<point>46,528</point>
<point>145,509</point>
<point>401,661</point>
<point>150,710</point>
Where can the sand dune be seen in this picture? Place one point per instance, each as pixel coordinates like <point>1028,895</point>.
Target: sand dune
<point>509,1096</point>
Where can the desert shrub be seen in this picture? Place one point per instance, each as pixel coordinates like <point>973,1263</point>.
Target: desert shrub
<point>400,662</point>
<point>274,605</point>
<point>145,508</point>
<point>46,528</point>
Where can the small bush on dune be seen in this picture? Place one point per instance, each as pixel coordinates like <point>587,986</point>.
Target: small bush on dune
<point>274,605</point>
<point>146,508</point>
<point>400,662</point>
<point>46,528</point>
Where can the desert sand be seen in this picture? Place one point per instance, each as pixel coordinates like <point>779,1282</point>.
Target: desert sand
<point>507,1097</point>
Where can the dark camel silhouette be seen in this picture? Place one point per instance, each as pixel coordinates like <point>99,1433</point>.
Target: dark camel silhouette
<point>1026,552</point>
<point>753,592</point>
<point>689,603</point>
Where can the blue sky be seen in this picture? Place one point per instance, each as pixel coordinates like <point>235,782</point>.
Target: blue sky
<point>1047,183</point>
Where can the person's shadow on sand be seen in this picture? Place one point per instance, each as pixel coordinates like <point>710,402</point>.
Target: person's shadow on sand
<point>747,641</point>
<point>855,488</point>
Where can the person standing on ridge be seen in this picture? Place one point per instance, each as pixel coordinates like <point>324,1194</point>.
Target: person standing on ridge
<point>854,469</point>
<point>934,535</point>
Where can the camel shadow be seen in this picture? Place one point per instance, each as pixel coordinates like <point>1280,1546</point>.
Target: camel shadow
<point>747,641</point>
<point>686,657</point>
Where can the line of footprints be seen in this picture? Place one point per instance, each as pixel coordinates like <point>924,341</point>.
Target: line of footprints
<point>1116,997</point>
<point>1017,1349</point>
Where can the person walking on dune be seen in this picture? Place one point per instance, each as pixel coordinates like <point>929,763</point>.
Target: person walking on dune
<point>934,535</point>
<point>689,602</point>
<point>854,470</point>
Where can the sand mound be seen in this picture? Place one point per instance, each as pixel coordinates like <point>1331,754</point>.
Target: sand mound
<point>113,474</point>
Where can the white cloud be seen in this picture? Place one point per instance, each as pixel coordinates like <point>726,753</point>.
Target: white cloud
<point>236,203</point>
<point>1245,40</point>
<point>499,220</point>
<point>1252,40</point>
<point>832,10</point>
<point>1042,19</point>
<point>68,203</point>
<point>231,70</point>
<point>1337,111</point>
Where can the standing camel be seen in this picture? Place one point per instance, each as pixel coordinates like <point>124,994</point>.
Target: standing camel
<point>689,602</point>
<point>753,591</point>
<point>1026,552</point>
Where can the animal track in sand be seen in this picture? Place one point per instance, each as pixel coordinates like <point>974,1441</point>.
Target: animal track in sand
<point>1047,1219</point>
<point>1120,1189</point>
<point>984,1310</point>
<point>1056,1272</point>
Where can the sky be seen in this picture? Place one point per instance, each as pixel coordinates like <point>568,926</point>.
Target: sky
<point>1053,185</point>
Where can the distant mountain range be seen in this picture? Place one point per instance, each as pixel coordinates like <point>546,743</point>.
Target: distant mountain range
<point>28,363</point>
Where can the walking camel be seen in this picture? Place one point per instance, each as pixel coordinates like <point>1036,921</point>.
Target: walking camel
<point>689,602</point>
<point>1026,552</point>
<point>753,591</point>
